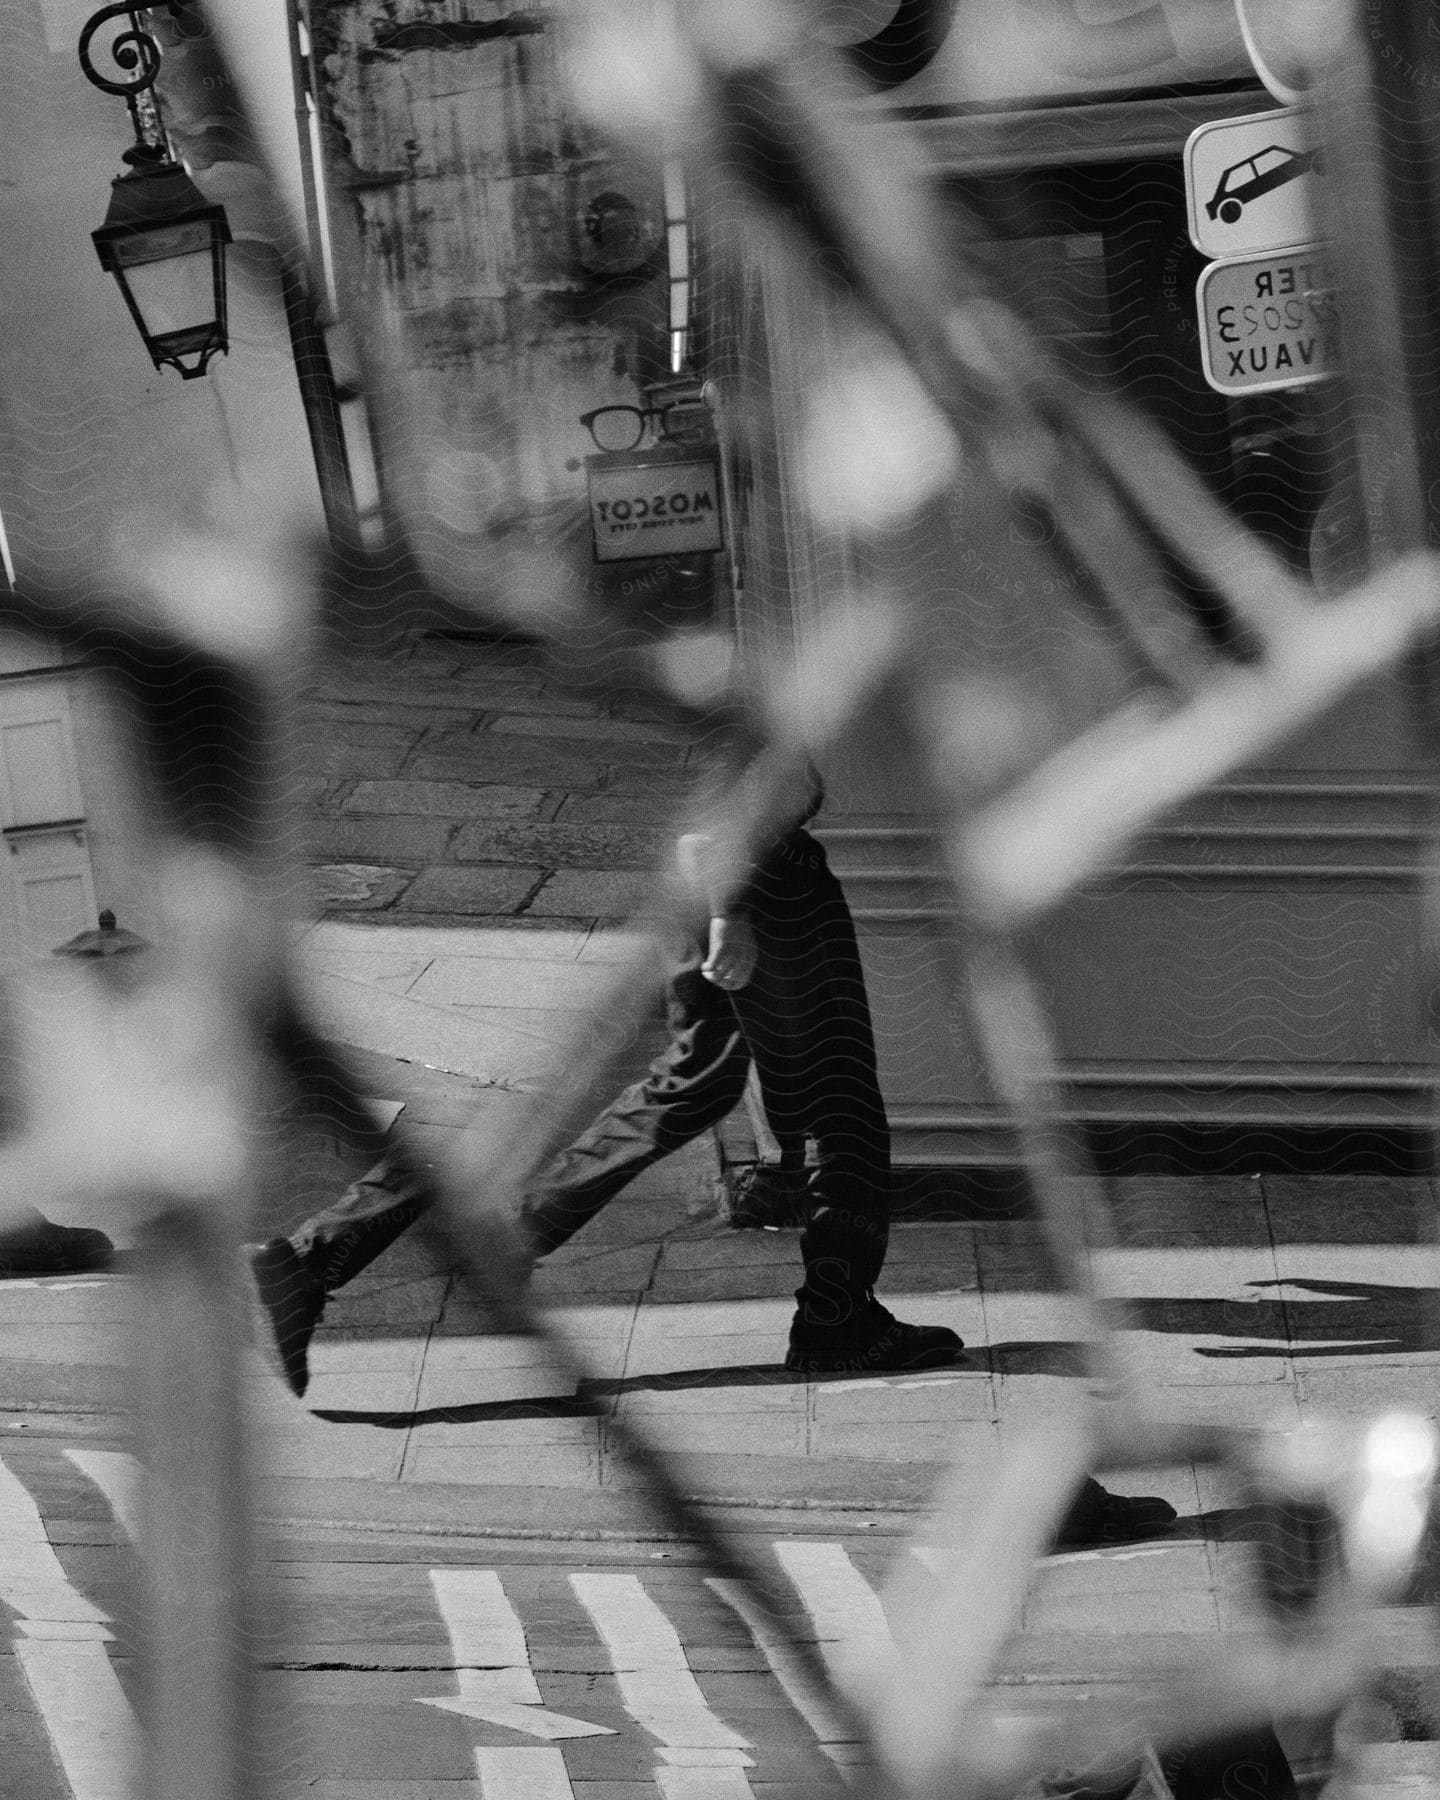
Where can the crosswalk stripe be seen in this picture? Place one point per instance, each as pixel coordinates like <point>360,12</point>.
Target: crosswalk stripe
<point>32,1581</point>
<point>527,1774</point>
<point>800,1687</point>
<point>117,1475</point>
<point>850,1624</point>
<point>492,1661</point>
<point>61,1650</point>
<point>704,1784</point>
<point>656,1685</point>
<point>92,1729</point>
<point>485,1633</point>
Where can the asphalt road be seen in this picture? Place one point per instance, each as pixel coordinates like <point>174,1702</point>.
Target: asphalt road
<point>553,1665</point>
<point>412,1666</point>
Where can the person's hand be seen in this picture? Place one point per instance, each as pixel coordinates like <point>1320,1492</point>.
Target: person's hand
<point>731,959</point>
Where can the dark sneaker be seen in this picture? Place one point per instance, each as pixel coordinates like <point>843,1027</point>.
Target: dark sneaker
<point>880,1345</point>
<point>765,1197</point>
<point>1100,1517</point>
<point>47,1249</point>
<point>294,1300</point>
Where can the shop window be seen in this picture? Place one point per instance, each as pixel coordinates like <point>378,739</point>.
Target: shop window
<point>1099,260</point>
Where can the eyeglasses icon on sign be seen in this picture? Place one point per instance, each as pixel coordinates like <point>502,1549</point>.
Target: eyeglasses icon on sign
<point>626,427</point>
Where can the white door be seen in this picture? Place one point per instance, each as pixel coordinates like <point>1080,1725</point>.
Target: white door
<point>47,892</point>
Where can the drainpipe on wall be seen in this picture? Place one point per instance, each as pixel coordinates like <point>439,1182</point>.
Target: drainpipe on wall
<point>677,249</point>
<point>347,424</point>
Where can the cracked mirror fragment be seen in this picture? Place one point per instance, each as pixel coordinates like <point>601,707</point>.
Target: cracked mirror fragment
<point>687,655</point>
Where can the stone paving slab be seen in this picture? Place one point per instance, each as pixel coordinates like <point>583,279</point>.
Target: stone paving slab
<point>397,842</point>
<point>658,810</point>
<point>522,1467</point>
<point>567,843</point>
<point>937,1398</point>
<point>458,800</point>
<point>413,938</point>
<point>1169,1610</point>
<point>380,1305</point>
<point>514,690</point>
<point>394,970</point>
<point>1348,1209</point>
<point>485,1045</point>
<point>1351,1388</point>
<point>564,984</point>
<point>1204,1212</point>
<point>655,738</point>
<point>356,887</point>
<point>516,762</point>
<point>591,893</point>
<point>474,889</point>
<point>362,732</point>
<point>322,715</point>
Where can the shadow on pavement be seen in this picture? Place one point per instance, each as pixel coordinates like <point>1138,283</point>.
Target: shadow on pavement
<point>594,1396</point>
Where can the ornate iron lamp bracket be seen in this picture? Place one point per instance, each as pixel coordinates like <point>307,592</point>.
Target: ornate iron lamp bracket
<point>137,55</point>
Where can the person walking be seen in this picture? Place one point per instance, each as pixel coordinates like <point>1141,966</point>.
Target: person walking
<point>777,980</point>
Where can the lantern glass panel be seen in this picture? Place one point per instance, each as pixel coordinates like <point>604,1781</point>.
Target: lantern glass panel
<point>174,293</point>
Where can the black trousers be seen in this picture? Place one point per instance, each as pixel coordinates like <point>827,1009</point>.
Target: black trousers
<point>805,1020</point>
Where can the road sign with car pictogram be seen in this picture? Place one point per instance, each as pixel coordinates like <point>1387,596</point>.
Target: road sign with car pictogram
<point>1249,183</point>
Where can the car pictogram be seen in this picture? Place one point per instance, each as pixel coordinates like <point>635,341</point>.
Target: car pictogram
<point>1268,169</point>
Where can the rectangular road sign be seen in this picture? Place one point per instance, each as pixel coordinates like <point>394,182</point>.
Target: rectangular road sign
<point>1249,182</point>
<point>1269,321</point>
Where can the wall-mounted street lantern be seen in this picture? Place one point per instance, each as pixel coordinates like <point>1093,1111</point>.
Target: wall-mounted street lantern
<point>162,240</point>
<point>110,939</point>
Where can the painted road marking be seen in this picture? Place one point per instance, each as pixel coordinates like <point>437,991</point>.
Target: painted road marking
<point>528,1774</point>
<point>801,1688</point>
<point>485,1632</point>
<point>92,1729</point>
<point>703,1784</point>
<point>492,1661</point>
<point>31,1578</point>
<point>658,1690</point>
<point>850,1624</point>
<point>117,1475</point>
<point>93,1732</point>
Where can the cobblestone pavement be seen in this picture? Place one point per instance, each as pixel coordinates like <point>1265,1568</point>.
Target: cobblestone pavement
<point>458,782</point>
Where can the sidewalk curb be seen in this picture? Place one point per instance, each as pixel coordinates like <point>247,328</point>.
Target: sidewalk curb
<point>493,1510</point>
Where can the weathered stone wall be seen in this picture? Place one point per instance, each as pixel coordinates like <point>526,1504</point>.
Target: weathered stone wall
<point>462,177</point>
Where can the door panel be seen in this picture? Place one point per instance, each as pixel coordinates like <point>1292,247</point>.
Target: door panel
<point>47,892</point>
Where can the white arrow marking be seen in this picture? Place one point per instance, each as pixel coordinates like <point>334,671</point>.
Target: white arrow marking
<point>534,1721</point>
<point>493,1673</point>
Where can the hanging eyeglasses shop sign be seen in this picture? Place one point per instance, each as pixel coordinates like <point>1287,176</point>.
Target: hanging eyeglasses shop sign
<point>650,503</point>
